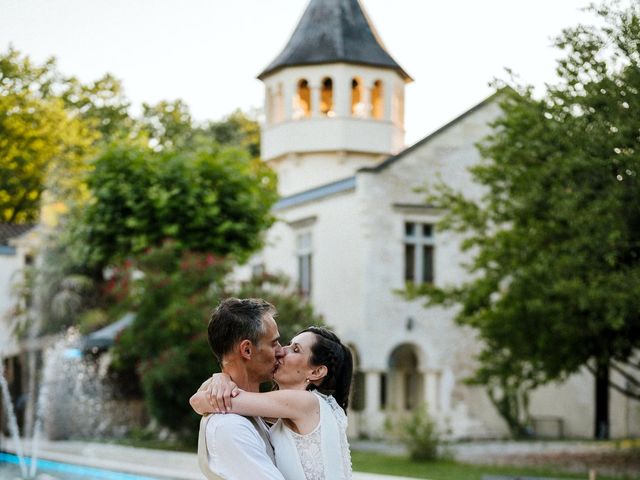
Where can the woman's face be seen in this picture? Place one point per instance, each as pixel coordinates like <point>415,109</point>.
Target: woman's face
<point>294,368</point>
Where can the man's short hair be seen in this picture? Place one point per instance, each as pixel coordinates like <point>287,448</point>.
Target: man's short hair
<point>237,319</point>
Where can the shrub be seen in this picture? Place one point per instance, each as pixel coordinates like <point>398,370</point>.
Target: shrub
<point>419,433</point>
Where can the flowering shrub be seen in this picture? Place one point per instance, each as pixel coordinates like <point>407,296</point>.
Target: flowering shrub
<point>165,350</point>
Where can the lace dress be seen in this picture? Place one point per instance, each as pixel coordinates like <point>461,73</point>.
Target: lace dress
<point>322,454</point>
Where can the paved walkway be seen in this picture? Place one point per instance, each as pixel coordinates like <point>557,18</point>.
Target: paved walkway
<point>140,461</point>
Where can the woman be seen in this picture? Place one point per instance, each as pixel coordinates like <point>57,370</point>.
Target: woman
<point>309,437</point>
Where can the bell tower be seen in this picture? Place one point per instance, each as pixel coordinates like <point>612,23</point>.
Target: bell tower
<point>334,99</point>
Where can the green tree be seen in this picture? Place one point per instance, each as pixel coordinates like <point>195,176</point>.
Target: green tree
<point>165,352</point>
<point>555,239</point>
<point>168,125</point>
<point>49,126</point>
<point>211,200</point>
<point>238,129</point>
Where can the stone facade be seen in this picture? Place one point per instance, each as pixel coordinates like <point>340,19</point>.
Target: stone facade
<point>350,219</point>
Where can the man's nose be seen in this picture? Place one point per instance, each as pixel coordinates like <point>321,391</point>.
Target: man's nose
<point>280,351</point>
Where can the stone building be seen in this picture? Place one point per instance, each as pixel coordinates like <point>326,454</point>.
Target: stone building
<point>352,229</point>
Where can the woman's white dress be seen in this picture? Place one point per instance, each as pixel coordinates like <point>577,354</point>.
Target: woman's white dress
<point>320,455</point>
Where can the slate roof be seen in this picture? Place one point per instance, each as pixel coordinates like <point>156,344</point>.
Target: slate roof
<point>334,31</point>
<point>11,230</point>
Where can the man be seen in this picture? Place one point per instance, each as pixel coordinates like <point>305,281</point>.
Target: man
<point>244,338</point>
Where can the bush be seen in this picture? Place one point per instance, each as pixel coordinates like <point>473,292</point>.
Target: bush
<point>419,433</point>
<point>165,350</point>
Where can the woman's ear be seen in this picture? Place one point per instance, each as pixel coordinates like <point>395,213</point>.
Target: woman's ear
<point>245,349</point>
<point>318,373</point>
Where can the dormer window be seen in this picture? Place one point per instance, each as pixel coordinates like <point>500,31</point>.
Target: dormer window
<point>326,98</point>
<point>377,100</point>
<point>302,100</point>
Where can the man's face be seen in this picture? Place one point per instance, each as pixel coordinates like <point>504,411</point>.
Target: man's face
<point>269,350</point>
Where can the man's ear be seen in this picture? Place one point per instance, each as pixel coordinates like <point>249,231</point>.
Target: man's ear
<point>318,373</point>
<point>245,349</point>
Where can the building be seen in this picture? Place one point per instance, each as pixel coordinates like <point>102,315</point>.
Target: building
<point>352,229</point>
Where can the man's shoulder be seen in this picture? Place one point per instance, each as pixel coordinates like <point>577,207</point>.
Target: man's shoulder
<point>229,422</point>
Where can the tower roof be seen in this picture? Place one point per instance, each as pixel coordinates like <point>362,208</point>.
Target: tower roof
<point>334,31</point>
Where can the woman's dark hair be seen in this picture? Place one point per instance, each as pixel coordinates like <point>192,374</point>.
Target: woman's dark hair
<point>329,351</point>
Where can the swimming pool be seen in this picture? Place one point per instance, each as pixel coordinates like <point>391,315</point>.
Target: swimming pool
<point>48,470</point>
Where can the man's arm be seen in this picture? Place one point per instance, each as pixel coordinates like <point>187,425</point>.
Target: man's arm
<point>237,452</point>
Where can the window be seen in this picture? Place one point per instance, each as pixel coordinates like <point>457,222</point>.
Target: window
<point>326,98</point>
<point>377,100</point>
<point>302,100</point>
<point>418,252</point>
<point>358,108</point>
<point>304,263</point>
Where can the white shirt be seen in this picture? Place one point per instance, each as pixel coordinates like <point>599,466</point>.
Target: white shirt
<point>236,451</point>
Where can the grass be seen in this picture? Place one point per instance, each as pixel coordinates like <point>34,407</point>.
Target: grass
<point>447,469</point>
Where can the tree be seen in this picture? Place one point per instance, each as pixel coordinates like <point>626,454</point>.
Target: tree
<point>49,126</point>
<point>238,129</point>
<point>555,239</point>
<point>211,200</point>
<point>168,125</point>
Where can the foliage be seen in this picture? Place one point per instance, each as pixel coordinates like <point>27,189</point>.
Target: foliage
<point>419,433</point>
<point>168,125</point>
<point>50,125</point>
<point>42,145</point>
<point>215,200</point>
<point>555,238</point>
<point>171,293</point>
<point>238,129</point>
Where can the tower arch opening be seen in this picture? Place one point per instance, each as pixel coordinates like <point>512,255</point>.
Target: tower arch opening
<point>326,97</point>
<point>302,100</point>
<point>377,100</point>
<point>358,107</point>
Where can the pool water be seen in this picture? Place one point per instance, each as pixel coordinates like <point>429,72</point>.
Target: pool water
<point>48,470</point>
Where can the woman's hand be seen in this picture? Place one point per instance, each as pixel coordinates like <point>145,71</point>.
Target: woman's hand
<point>214,395</point>
<point>219,392</point>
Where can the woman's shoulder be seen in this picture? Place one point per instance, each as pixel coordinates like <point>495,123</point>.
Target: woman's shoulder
<point>332,404</point>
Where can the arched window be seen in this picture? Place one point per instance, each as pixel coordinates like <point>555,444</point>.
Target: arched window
<point>377,100</point>
<point>302,100</point>
<point>326,98</point>
<point>358,108</point>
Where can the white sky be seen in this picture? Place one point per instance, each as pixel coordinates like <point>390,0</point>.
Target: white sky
<point>208,52</point>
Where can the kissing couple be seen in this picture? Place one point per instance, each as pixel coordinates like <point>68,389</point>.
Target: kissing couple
<point>297,432</point>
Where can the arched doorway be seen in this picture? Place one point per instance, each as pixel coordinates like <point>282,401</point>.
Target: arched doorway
<point>405,383</point>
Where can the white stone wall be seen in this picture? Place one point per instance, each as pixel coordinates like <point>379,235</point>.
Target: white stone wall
<point>358,264</point>
<point>445,351</point>
<point>301,172</point>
